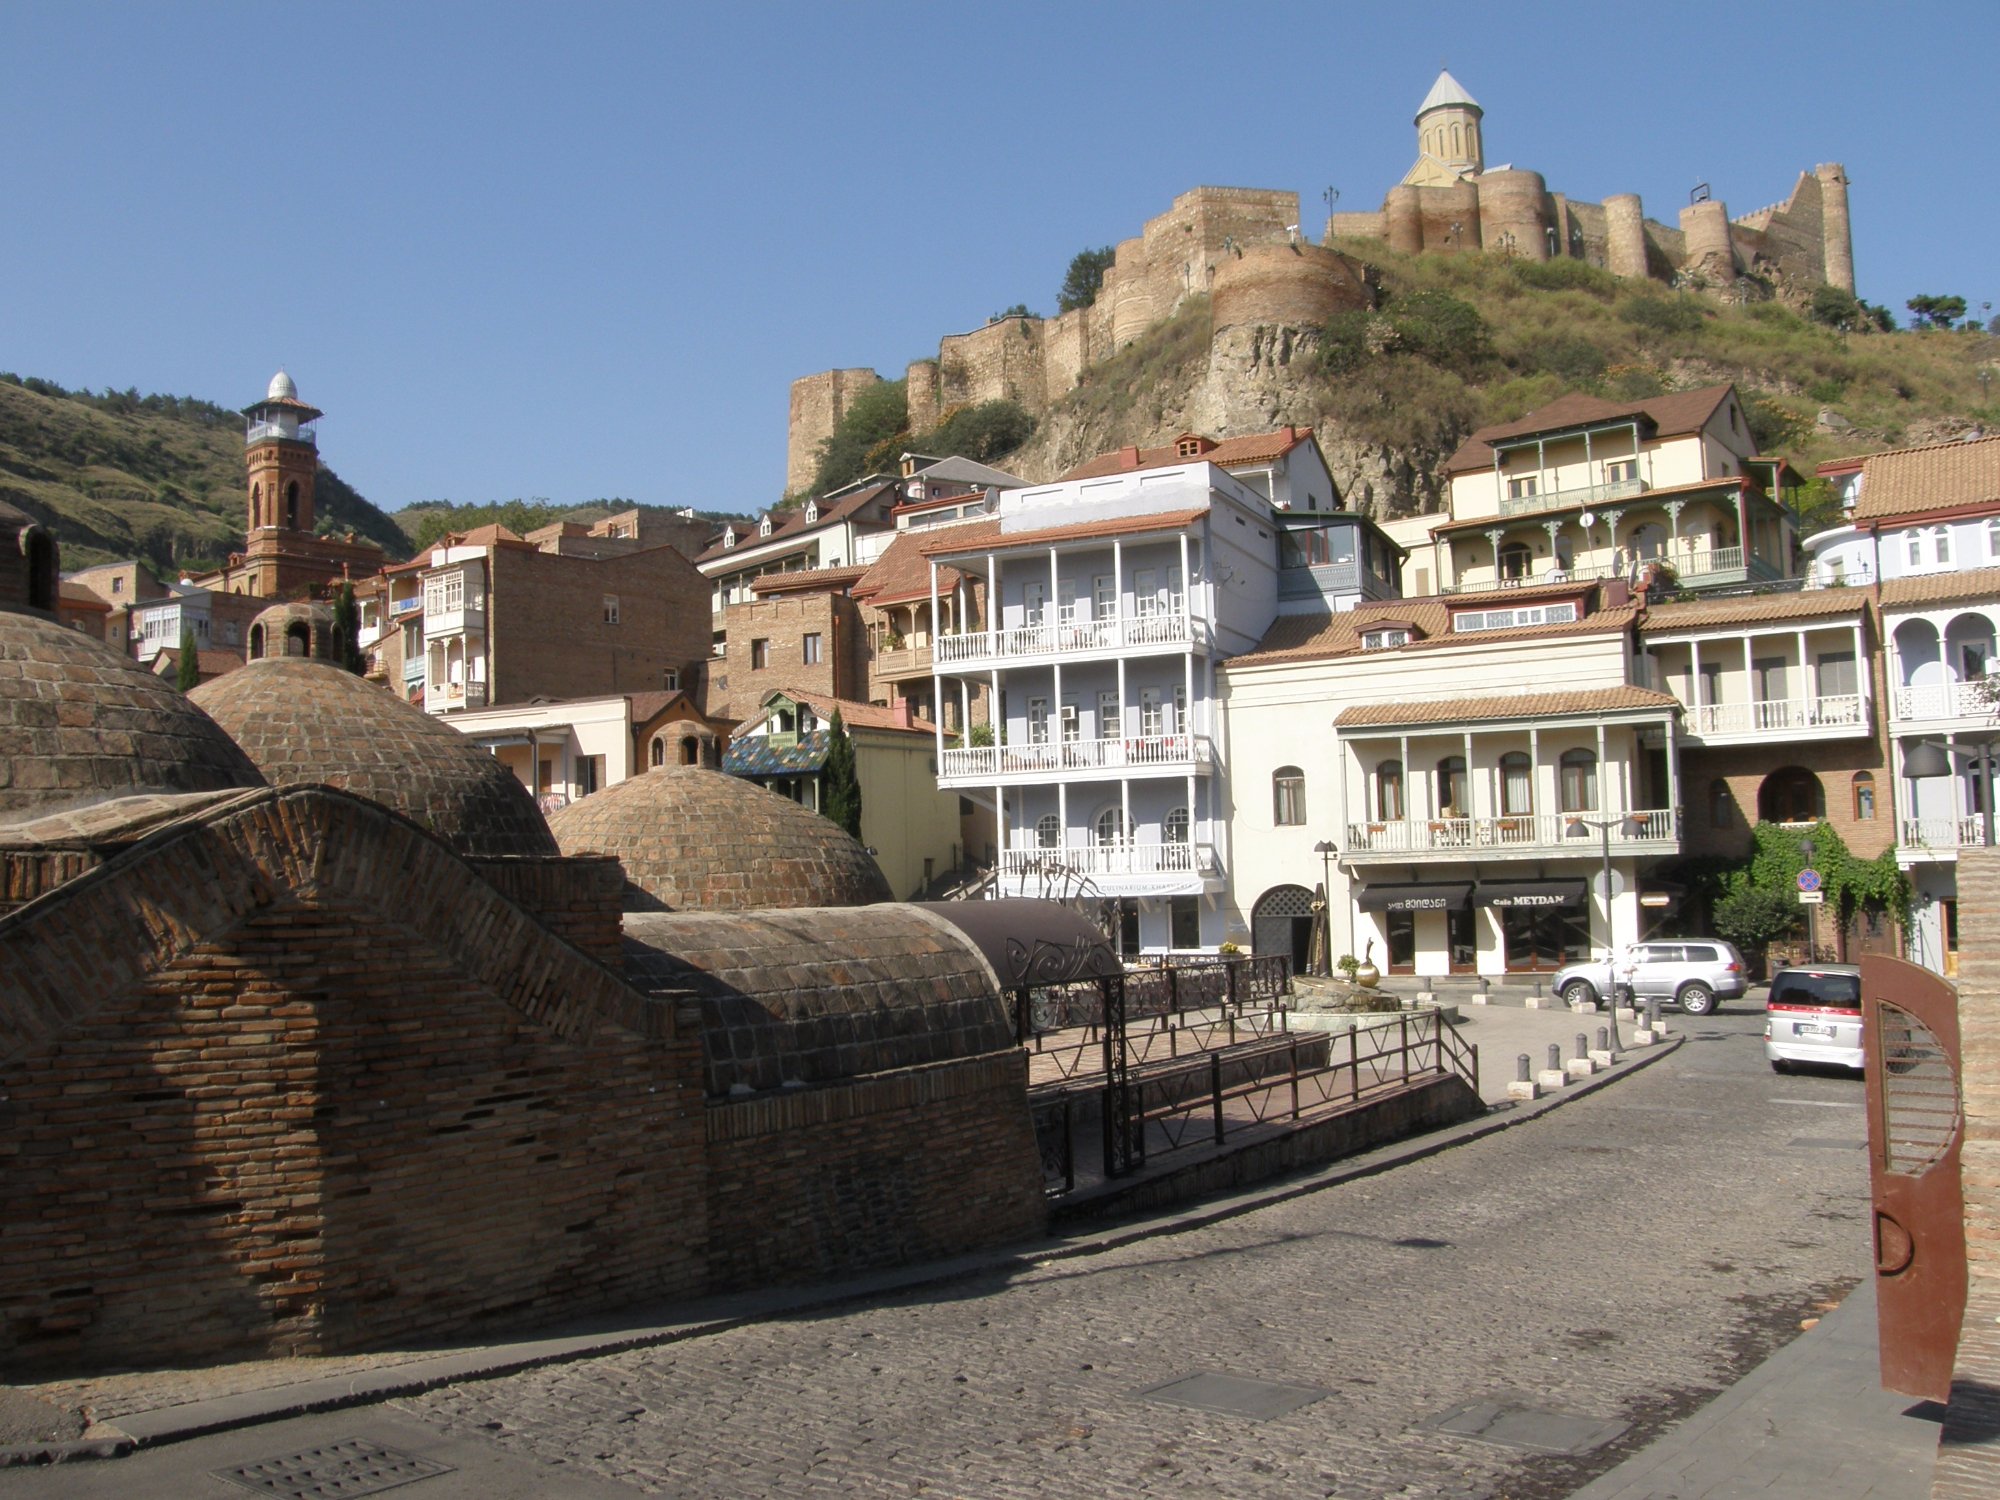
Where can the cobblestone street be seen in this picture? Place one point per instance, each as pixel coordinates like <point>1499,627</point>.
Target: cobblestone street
<point>1619,1260</point>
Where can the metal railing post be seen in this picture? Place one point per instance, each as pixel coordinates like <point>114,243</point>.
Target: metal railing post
<point>1403,1029</point>
<point>1295,1078</point>
<point>1215,1091</point>
<point>1354,1062</point>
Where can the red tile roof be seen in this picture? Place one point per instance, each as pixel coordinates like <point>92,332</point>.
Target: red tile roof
<point>808,580</point>
<point>903,573</point>
<point>1749,609</point>
<point>789,524</point>
<point>985,536</point>
<point>1670,416</point>
<point>1513,706</point>
<point>855,715</point>
<point>1981,584</point>
<point>1252,448</point>
<point>1316,637</point>
<point>1935,477</point>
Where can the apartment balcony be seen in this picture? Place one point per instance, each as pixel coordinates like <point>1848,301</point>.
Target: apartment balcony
<point>901,664</point>
<point>1924,840</point>
<point>1839,716</point>
<point>400,607</point>
<point>1110,870</point>
<point>1524,836</point>
<point>1587,494</point>
<point>443,697</point>
<point>1945,700</point>
<point>413,670</point>
<point>468,619</point>
<point>1070,638</point>
<point>1146,754</point>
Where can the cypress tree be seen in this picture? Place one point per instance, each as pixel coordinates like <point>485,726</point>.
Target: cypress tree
<point>187,672</point>
<point>347,632</point>
<point>840,787</point>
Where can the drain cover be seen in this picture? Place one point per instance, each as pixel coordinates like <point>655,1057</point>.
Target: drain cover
<point>352,1466</point>
<point>1232,1396</point>
<point>1523,1427</point>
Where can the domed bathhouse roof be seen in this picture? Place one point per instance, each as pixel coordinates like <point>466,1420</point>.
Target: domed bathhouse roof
<point>307,721</point>
<point>80,724</point>
<point>300,629</point>
<point>693,839</point>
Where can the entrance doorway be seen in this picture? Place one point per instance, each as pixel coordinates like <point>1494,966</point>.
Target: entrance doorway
<point>1541,939</point>
<point>1461,930</point>
<point>1282,922</point>
<point>1400,928</point>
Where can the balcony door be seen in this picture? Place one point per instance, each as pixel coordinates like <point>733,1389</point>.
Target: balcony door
<point>1034,601</point>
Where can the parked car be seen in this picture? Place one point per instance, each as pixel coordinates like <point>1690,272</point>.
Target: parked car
<point>1695,973</point>
<point>1814,1016</point>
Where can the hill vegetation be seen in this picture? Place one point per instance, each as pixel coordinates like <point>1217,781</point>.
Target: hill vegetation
<point>116,474</point>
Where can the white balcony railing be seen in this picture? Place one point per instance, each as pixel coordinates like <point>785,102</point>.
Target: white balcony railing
<point>1094,860</point>
<point>1146,751</point>
<point>1055,638</point>
<point>1944,833</point>
<point>1838,711</point>
<point>1708,560</point>
<point>259,432</point>
<point>1946,700</point>
<point>1539,834</point>
<point>1587,494</point>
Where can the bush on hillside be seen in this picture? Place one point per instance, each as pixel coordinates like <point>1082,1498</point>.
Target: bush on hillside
<point>1661,314</point>
<point>982,433</point>
<point>879,415</point>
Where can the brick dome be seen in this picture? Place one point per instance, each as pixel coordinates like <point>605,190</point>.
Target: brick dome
<point>309,721</point>
<point>79,724</point>
<point>692,839</point>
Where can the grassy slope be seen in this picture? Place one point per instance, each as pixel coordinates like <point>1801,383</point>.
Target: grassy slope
<point>167,487</point>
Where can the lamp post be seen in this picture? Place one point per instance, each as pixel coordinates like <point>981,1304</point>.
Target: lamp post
<point>1579,828</point>
<point>1326,849</point>
<point>1928,759</point>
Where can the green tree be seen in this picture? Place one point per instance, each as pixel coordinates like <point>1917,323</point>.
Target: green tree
<point>839,786</point>
<point>1935,312</point>
<point>981,433</point>
<point>1831,307</point>
<point>1018,310</point>
<point>347,632</point>
<point>878,415</point>
<point>1085,278</point>
<point>187,671</point>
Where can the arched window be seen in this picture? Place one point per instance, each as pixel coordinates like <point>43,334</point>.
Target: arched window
<point>1579,780</point>
<point>256,643</point>
<point>1451,787</point>
<point>1048,832</point>
<point>44,579</point>
<point>1175,829</point>
<point>298,639</point>
<point>292,505</point>
<point>1517,785</point>
<point>256,505</point>
<point>1288,796</point>
<point>1516,561</point>
<point>1864,796</point>
<point>1389,791</point>
<point>1114,829</point>
<point>1941,544</point>
<point>690,750</point>
<point>659,750</point>
<point>1721,806</point>
<point>1792,795</point>
<point>1916,546</point>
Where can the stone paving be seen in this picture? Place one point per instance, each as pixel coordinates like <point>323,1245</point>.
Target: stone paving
<point>1618,1261</point>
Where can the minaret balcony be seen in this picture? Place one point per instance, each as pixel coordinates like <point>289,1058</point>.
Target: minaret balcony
<point>284,432</point>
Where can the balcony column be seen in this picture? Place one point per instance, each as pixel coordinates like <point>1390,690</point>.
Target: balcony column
<point>1061,744</point>
<point>1471,783</point>
<point>1603,778</point>
<point>1535,772</point>
<point>934,612</point>
<point>1410,783</point>
<point>1187,597</point>
<point>1673,778</point>
<point>1694,685</point>
<point>1750,680</point>
<point>1193,822</point>
<point>1121,710</point>
<point>1125,835</point>
<point>1864,671</point>
<point>1117,588</point>
<point>1186,726</point>
<point>1062,813</point>
<point>995,615</point>
<point>1808,688</point>
<point>964,708</point>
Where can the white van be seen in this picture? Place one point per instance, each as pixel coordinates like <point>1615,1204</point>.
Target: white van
<point>1814,1016</point>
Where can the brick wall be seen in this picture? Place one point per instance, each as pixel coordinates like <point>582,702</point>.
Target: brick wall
<point>578,897</point>
<point>1745,767</point>
<point>784,623</point>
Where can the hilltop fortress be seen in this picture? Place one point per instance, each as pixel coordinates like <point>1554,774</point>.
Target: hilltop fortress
<point>1243,247</point>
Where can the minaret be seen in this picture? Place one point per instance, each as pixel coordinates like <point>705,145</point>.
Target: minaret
<point>1448,144</point>
<point>281,451</point>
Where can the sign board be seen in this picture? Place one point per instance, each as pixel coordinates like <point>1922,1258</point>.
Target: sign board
<point>1812,898</point>
<point>1656,898</point>
<point>1809,880</point>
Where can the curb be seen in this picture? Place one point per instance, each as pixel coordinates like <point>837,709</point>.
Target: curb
<point>171,1424</point>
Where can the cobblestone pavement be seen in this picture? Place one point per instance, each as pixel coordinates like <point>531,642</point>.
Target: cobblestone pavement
<point>1620,1260</point>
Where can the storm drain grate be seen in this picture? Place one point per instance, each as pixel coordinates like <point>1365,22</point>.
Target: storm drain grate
<point>1829,1142</point>
<point>335,1471</point>
<point>1523,1427</point>
<point>1233,1396</point>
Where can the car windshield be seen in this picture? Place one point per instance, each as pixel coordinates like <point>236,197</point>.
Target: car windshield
<point>1807,987</point>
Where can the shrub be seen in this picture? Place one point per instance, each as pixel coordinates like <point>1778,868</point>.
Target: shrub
<point>982,433</point>
<point>1084,279</point>
<point>876,416</point>
<point>1577,360</point>
<point>1661,314</point>
<point>1564,274</point>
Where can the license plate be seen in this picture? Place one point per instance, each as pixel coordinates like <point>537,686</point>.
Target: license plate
<point>1809,1028</point>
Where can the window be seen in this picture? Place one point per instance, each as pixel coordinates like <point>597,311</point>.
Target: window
<point>1451,786</point>
<point>1621,471</point>
<point>1864,797</point>
<point>1048,832</point>
<point>611,609</point>
<point>1145,596</point>
<point>1288,796</point>
<point>1382,640</point>
<point>1509,619</point>
<point>1180,723</point>
<point>809,648</point>
<point>760,655</point>
<point>670,680</point>
<point>1149,712</point>
<point>1523,488</point>
<point>1175,829</point>
<point>1993,540</point>
<point>659,755</point>
<point>1941,544</point>
<point>1109,726</point>
<point>1517,785</point>
<point>1113,828</point>
<point>1034,596</point>
<point>1516,561</point>
<point>117,585</point>
<point>1184,921</point>
<point>1038,721</point>
<point>1103,597</point>
<point>1389,791</point>
<point>1072,730</point>
<point>1579,780</point>
<point>1767,680</point>
<point>1916,546</point>
<point>589,774</point>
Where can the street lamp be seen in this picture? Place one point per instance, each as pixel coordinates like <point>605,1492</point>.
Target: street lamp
<point>1631,825</point>
<point>1326,849</point>
<point>1927,759</point>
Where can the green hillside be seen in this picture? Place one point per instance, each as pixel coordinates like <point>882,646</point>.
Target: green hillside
<point>117,474</point>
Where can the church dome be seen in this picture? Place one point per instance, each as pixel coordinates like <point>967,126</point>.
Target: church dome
<point>281,388</point>
<point>692,839</point>
<point>79,724</point>
<point>307,721</point>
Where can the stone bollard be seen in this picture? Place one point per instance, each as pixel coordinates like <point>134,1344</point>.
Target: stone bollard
<point>1602,1054</point>
<point>1651,1031</point>
<point>1580,1065</point>
<point>1485,995</point>
<point>1555,1075</point>
<point>1523,1087</point>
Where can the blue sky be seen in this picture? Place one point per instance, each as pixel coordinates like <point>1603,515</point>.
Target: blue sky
<point>573,250</point>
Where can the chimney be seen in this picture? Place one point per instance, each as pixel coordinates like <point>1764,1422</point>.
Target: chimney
<point>901,709</point>
<point>1129,457</point>
<point>1289,433</point>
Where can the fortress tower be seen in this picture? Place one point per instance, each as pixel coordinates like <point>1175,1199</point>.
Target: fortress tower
<point>1448,143</point>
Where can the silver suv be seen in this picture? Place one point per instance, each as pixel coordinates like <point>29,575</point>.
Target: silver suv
<point>1694,972</point>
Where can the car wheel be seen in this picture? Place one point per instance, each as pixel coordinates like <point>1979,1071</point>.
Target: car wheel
<point>1579,992</point>
<point>1696,999</point>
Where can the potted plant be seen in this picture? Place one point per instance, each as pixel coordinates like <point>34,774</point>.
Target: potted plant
<point>1348,965</point>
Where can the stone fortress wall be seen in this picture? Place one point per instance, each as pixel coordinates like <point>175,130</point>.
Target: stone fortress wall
<point>1244,247</point>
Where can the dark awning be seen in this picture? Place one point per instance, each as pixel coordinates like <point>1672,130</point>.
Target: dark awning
<point>1412,897</point>
<point>1532,892</point>
<point>1030,942</point>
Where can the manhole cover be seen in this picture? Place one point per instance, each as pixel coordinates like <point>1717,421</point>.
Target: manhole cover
<point>1830,1142</point>
<point>352,1466</point>
<point>1232,1396</point>
<point>1524,1427</point>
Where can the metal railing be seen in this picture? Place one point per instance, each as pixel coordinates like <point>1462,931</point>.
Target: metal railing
<point>1539,832</point>
<point>1111,859</point>
<point>1146,750</point>
<point>405,606</point>
<point>1586,494</point>
<point>1708,560</point>
<point>1113,633</point>
<point>260,432</point>
<point>1839,710</point>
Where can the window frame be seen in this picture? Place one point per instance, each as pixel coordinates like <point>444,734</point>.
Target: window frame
<point>1288,797</point>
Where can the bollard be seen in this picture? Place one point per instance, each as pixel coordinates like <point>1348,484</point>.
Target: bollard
<point>1603,1039</point>
<point>1653,1016</point>
<point>1582,1046</point>
<point>1538,989</point>
<point>1555,1057</point>
<point>1555,1075</point>
<point>1524,1085</point>
<point>1521,1065</point>
<point>1581,1065</point>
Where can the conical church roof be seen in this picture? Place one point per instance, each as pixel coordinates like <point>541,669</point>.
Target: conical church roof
<point>1447,91</point>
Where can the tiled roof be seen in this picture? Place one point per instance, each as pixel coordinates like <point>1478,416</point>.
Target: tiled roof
<point>903,573</point>
<point>807,580</point>
<point>80,596</point>
<point>985,536</point>
<point>761,755</point>
<point>1515,706</point>
<point>794,524</point>
<point>1671,416</point>
<point>1942,588</point>
<point>1259,447</point>
<point>1939,476</point>
<point>1748,609</point>
<point>492,535</point>
<point>1312,637</point>
<point>855,715</point>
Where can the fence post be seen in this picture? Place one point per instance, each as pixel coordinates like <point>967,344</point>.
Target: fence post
<point>1173,996</point>
<point>1023,1019</point>
<point>1403,1029</point>
<point>1354,1062</point>
<point>1229,986</point>
<point>1295,1078</point>
<point>1215,1091</point>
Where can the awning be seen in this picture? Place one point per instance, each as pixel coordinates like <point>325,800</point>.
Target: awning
<point>1438,897</point>
<point>1529,893</point>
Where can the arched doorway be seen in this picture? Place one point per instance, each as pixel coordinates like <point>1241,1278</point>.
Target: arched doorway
<point>1282,922</point>
<point>1791,795</point>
